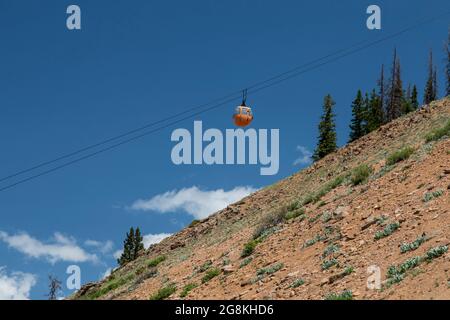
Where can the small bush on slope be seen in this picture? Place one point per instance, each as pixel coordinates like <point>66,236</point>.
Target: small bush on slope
<point>432,195</point>
<point>210,274</point>
<point>437,134</point>
<point>387,231</point>
<point>360,174</point>
<point>164,292</point>
<point>187,288</point>
<point>399,155</point>
<point>345,295</point>
<point>156,261</point>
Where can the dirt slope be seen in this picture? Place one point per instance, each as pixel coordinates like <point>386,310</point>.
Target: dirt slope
<point>328,247</point>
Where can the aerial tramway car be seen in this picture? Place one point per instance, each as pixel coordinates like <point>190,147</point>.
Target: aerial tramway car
<point>243,115</point>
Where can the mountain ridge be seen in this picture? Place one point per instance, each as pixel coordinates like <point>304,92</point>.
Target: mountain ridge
<point>314,234</point>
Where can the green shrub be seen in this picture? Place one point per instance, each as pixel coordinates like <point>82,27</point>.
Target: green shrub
<point>249,248</point>
<point>164,292</point>
<point>345,295</point>
<point>435,252</point>
<point>269,221</point>
<point>399,155</point>
<point>406,247</point>
<point>315,197</point>
<point>245,262</point>
<point>110,285</point>
<point>360,174</point>
<point>432,195</point>
<point>349,270</point>
<point>332,248</point>
<point>387,231</point>
<point>312,241</point>
<point>293,206</point>
<point>154,262</point>
<point>297,283</point>
<point>439,133</point>
<point>270,270</point>
<point>395,274</point>
<point>327,264</point>
<point>295,213</point>
<point>186,289</point>
<point>205,266</point>
<point>210,274</point>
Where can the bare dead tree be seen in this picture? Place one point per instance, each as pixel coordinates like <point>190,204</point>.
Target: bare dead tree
<point>54,287</point>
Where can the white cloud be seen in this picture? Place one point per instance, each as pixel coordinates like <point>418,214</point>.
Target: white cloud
<point>117,254</point>
<point>193,201</point>
<point>16,286</point>
<point>106,273</point>
<point>62,248</point>
<point>150,239</point>
<point>104,247</point>
<point>305,156</point>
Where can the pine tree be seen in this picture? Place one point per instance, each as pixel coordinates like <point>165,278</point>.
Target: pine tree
<point>375,114</point>
<point>435,88</point>
<point>138,243</point>
<point>394,99</point>
<point>430,87</point>
<point>381,90</point>
<point>128,248</point>
<point>414,98</point>
<point>357,125</point>
<point>327,130</point>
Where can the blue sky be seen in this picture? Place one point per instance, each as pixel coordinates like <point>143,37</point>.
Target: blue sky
<point>136,62</point>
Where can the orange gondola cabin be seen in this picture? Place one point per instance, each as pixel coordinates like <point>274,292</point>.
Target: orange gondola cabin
<point>243,115</point>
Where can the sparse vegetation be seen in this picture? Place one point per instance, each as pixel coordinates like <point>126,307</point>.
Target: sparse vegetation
<point>270,270</point>
<point>348,270</point>
<point>312,241</point>
<point>399,155</point>
<point>432,195</point>
<point>269,221</point>
<point>435,252</point>
<point>112,284</point>
<point>360,174</point>
<point>297,283</point>
<point>406,247</point>
<point>164,292</point>
<point>396,274</point>
<point>387,231</point>
<point>327,264</point>
<point>205,266</point>
<point>186,289</point>
<point>315,197</point>
<point>212,273</point>
<point>245,262</point>
<point>154,262</point>
<point>438,133</point>
<point>332,248</point>
<point>295,213</point>
<point>249,247</point>
<point>344,295</point>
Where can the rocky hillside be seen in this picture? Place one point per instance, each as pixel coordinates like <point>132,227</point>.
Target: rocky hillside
<point>381,202</point>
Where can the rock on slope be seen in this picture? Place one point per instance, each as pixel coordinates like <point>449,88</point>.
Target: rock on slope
<point>317,232</point>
